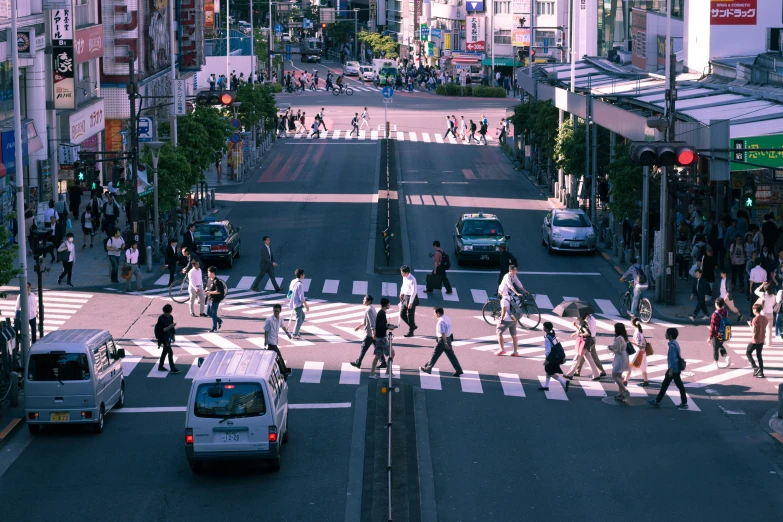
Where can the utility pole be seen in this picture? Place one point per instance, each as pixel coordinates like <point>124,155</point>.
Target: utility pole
<point>269,45</point>
<point>667,238</point>
<point>588,117</point>
<point>21,235</point>
<point>252,47</point>
<point>173,42</point>
<point>134,141</point>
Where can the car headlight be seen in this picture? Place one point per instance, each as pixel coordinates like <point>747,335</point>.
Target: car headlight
<point>591,235</point>
<point>555,233</point>
<point>467,248</point>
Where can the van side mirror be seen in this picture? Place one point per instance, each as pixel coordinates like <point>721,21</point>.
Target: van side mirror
<point>508,238</point>
<point>121,353</point>
<point>459,236</point>
<point>200,361</point>
<point>215,392</point>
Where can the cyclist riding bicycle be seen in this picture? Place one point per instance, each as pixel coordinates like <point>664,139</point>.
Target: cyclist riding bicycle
<point>340,83</point>
<point>639,283</point>
<point>511,283</point>
<point>186,259</point>
<point>302,82</point>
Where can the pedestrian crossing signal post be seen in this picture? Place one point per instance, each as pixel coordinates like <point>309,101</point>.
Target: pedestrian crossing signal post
<point>387,245</point>
<point>387,92</point>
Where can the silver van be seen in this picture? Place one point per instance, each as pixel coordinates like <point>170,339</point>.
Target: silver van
<point>237,409</point>
<point>73,377</point>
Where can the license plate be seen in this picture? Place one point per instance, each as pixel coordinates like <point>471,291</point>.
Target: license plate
<point>231,437</point>
<point>203,249</point>
<point>485,258</point>
<point>573,244</point>
<point>60,417</point>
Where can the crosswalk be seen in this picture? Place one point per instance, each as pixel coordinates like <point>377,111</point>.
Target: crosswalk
<point>357,87</point>
<point>59,307</point>
<point>771,354</point>
<point>424,137</point>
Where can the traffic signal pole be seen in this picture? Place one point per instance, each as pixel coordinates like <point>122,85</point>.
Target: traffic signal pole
<point>666,222</point>
<point>134,142</point>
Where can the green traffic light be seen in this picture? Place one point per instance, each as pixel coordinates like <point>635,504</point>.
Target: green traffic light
<point>81,176</point>
<point>749,202</point>
<point>94,185</point>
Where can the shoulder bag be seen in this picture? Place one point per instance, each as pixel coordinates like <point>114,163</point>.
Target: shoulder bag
<point>62,253</point>
<point>648,349</point>
<point>629,349</point>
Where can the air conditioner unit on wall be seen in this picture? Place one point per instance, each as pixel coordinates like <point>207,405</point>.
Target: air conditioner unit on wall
<point>773,39</point>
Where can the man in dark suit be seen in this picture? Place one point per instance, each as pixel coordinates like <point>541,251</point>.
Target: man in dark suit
<point>189,238</point>
<point>267,266</point>
<point>171,258</point>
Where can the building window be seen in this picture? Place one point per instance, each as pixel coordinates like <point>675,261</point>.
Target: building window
<point>503,37</point>
<point>502,7</point>
<point>545,38</point>
<point>545,7</point>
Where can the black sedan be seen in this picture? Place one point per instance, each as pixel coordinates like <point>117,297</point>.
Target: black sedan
<point>217,241</point>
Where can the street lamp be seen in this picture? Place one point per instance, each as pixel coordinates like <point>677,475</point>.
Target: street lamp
<point>154,147</point>
<point>356,33</point>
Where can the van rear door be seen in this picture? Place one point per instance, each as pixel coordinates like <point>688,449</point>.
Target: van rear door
<point>59,380</point>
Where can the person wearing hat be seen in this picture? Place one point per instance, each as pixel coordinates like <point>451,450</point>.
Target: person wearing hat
<point>708,265</point>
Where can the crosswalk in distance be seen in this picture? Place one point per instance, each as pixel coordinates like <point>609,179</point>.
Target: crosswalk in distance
<point>424,137</point>
<point>504,383</point>
<point>355,86</point>
<point>741,336</point>
<point>59,307</point>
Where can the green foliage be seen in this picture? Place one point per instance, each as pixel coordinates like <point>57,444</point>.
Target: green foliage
<point>379,43</point>
<point>193,142</point>
<point>625,186</point>
<point>482,91</point>
<point>570,148</point>
<point>174,176</point>
<point>218,127</point>
<point>453,89</point>
<point>8,255</point>
<point>540,117</point>
<point>274,87</point>
<point>257,105</point>
<point>340,32</point>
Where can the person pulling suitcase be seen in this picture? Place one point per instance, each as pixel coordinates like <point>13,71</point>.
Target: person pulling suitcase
<point>440,263</point>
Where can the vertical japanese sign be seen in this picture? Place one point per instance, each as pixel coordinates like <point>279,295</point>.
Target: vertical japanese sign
<point>733,12</point>
<point>476,40</point>
<point>63,58</point>
<point>180,100</point>
<point>191,35</point>
<point>209,14</point>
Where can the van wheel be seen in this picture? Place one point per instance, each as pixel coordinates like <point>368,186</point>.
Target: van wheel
<point>230,262</point>
<point>98,426</point>
<point>196,467</point>
<point>239,252</point>
<point>275,464</point>
<point>121,400</point>
<point>285,434</point>
<point>35,429</point>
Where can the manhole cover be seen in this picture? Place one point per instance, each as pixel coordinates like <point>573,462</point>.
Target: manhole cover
<point>235,336</point>
<point>631,401</point>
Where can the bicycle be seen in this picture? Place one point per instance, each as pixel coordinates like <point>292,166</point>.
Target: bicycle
<point>529,311</point>
<point>295,89</point>
<point>645,306</point>
<point>178,290</point>
<point>348,91</point>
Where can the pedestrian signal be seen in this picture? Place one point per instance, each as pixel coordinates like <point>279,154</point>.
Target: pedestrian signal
<point>79,171</point>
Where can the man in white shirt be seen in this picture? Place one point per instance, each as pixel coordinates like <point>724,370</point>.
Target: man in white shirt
<point>196,288</point>
<point>409,299</point>
<point>271,329</point>
<point>32,310</point>
<point>365,119</point>
<point>757,276</point>
<point>511,283</point>
<point>297,302</point>
<point>132,260</point>
<point>114,247</point>
<point>508,321</point>
<point>724,293</point>
<point>49,212</point>
<point>444,337</point>
<point>368,324</point>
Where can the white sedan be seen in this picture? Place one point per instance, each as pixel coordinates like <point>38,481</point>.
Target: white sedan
<point>351,68</point>
<point>367,73</point>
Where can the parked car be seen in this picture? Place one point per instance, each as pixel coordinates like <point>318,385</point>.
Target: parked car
<point>478,237</point>
<point>351,68</point>
<point>217,241</point>
<point>568,230</point>
<point>366,72</point>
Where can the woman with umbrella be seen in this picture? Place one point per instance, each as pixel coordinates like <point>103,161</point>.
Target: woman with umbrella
<point>583,351</point>
<point>620,363</point>
<point>583,312</point>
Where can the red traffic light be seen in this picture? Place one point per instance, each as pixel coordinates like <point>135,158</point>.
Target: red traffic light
<point>662,154</point>
<point>685,155</point>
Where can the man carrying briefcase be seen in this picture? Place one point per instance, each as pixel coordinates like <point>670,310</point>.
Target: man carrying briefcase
<point>440,263</point>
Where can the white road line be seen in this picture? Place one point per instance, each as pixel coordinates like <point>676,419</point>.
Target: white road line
<point>438,138</point>
<point>511,384</point>
<point>470,381</point>
<point>220,342</point>
<point>721,377</point>
<point>400,136</point>
<point>543,302</point>
<point>555,392</point>
<point>311,373</point>
<point>245,283</point>
<point>339,318</point>
<point>486,338</point>
<point>452,140</point>
<point>674,394</point>
<point>129,363</point>
<point>374,135</point>
<point>637,391</point>
<point>389,290</point>
<point>158,374</point>
<point>193,370</point>
<point>269,286</point>
<point>306,284</point>
<point>323,334</point>
<point>452,296</point>
<point>359,288</point>
<point>413,136</point>
<point>607,307</point>
<point>189,346</point>
<point>330,286</point>
<point>319,406</point>
<point>163,280</point>
<point>592,388</point>
<point>349,374</point>
<point>348,136</point>
<point>361,135</point>
<point>336,135</point>
<point>479,296</point>
<point>420,291</point>
<point>430,382</point>
<point>345,308</point>
<point>148,346</point>
<point>425,137</point>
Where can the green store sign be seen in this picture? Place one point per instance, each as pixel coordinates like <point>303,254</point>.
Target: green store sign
<point>761,159</point>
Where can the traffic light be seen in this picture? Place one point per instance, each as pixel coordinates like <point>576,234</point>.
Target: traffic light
<point>211,98</point>
<point>80,171</point>
<point>749,196</point>
<point>323,25</point>
<point>662,154</point>
<point>116,175</point>
<point>387,243</point>
<point>94,185</point>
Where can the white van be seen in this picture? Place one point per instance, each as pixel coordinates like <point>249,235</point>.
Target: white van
<point>73,377</point>
<point>237,409</point>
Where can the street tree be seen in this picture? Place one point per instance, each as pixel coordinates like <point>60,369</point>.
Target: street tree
<point>174,176</point>
<point>8,256</point>
<point>379,44</point>
<point>625,185</point>
<point>540,117</point>
<point>217,125</point>
<point>570,149</point>
<point>256,105</point>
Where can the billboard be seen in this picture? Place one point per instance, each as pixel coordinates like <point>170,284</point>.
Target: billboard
<point>520,37</point>
<point>209,14</point>
<point>476,40</point>
<point>761,159</point>
<point>88,43</point>
<point>63,58</point>
<point>121,35</point>
<point>86,122</point>
<point>191,35</point>
<point>157,36</point>
<point>733,12</point>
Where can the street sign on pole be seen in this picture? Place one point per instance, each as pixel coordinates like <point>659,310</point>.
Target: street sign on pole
<point>278,28</point>
<point>388,92</point>
<point>387,100</point>
<point>145,128</point>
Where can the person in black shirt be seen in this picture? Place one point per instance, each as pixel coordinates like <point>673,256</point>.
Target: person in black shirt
<point>186,259</point>
<point>164,334</point>
<point>215,292</point>
<point>382,348</point>
<point>171,258</point>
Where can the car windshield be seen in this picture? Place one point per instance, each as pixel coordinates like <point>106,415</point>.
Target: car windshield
<point>210,233</point>
<point>352,64</point>
<point>386,71</point>
<point>570,220</point>
<point>58,367</point>
<point>242,399</point>
<point>484,227</point>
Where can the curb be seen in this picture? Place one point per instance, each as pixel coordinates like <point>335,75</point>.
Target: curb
<point>10,429</point>
<point>773,425</point>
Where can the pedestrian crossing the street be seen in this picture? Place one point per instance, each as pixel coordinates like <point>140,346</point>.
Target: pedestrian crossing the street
<point>59,307</point>
<point>357,87</point>
<point>426,137</point>
<point>772,354</point>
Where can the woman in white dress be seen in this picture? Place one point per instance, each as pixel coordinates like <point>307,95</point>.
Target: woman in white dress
<point>620,363</point>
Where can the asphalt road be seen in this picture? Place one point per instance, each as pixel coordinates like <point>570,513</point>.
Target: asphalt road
<point>500,448</point>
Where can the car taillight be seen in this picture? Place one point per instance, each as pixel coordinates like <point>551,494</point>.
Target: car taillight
<point>32,415</point>
<point>189,436</point>
<point>272,434</point>
<point>218,248</point>
<point>86,415</point>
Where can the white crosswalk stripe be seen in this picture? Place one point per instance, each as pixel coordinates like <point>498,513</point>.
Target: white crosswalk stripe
<point>311,373</point>
<point>512,386</point>
<point>59,307</point>
<point>479,295</point>
<point>359,288</point>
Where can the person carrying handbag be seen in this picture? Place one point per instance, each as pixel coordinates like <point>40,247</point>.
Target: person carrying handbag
<point>640,359</point>
<point>66,253</point>
<point>620,363</point>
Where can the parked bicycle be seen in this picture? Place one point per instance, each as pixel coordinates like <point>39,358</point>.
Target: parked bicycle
<point>645,306</point>
<point>342,89</point>
<point>529,317</point>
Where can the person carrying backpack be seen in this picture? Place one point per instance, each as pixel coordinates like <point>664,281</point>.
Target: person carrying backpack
<point>639,283</point>
<point>720,331</point>
<point>440,263</point>
<point>215,292</point>
<point>483,133</point>
<point>554,356</point>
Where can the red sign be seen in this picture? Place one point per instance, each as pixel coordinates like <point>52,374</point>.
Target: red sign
<point>191,29</point>
<point>733,12</point>
<point>475,46</point>
<point>209,14</point>
<point>88,43</point>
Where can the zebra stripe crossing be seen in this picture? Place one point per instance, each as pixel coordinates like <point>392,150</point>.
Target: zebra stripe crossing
<point>336,134</point>
<point>59,307</point>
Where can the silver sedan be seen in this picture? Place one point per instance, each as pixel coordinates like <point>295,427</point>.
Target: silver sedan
<point>568,230</point>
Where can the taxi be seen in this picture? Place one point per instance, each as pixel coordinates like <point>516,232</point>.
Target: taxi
<point>478,237</point>
<point>217,241</point>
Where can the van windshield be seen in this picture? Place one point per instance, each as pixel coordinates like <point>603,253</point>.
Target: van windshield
<point>58,367</point>
<point>242,399</point>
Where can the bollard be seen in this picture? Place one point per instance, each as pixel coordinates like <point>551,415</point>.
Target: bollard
<point>149,259</point>
<point>13,394</point>
<point>164,241</point>
<point>213,199</point>
<point>780,400</point>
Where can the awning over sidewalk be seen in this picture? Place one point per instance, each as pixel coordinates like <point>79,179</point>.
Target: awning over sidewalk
<point>463,59</point>
<point>501,61</point>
